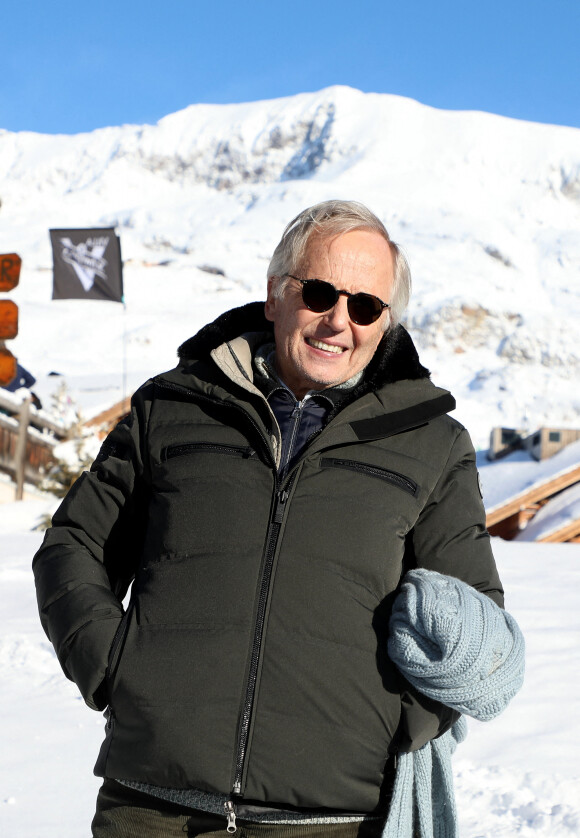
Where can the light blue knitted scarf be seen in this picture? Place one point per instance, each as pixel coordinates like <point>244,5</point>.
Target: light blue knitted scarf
<point>457,646</point>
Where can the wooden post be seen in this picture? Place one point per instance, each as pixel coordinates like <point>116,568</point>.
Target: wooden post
<point>20,454</point>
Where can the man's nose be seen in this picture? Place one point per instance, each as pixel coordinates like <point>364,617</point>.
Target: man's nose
<point>337,317</point>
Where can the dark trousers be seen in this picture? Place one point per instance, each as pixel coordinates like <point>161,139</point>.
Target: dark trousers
<point>125,813</point>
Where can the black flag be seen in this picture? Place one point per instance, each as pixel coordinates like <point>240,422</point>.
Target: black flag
<point>87,265</point>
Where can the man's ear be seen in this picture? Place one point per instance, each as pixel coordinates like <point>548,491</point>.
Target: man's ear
<point>271,299</point>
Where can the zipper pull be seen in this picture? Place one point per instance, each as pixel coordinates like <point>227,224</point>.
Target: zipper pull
<point>280,505</point>
<point>231,817</point>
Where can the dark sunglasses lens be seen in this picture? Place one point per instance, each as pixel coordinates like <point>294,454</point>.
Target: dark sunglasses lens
<point>364,309</point>
<point>318,296</point>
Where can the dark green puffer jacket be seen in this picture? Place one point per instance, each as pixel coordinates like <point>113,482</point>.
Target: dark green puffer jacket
<point>252,656</point>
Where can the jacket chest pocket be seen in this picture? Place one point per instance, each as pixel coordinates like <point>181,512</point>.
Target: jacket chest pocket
<point>183,449</point>
<point>196,503</point>
<point>394,478</point>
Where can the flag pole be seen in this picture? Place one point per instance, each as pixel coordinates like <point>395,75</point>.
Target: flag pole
<point>124,386</point>
<point>124,350</point>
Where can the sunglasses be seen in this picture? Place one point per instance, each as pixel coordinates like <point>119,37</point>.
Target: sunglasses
<point>319,296</point>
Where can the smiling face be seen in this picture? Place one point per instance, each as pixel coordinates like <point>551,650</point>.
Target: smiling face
<point>315,351</point>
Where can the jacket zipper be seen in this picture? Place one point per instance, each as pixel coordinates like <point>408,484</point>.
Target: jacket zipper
<point>392,477</point>
<point>191,447</point>
<point>230,816</point>
<point>288,449</point>
<point>271,543</point>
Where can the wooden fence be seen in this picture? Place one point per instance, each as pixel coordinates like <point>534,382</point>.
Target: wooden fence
<point>27,441</point>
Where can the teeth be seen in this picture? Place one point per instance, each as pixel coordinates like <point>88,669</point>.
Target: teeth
<point>327,347</point>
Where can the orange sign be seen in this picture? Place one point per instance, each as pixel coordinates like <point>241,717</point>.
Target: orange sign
<point>7,366</point>
<point>10,264</point>
<point>8,319</point>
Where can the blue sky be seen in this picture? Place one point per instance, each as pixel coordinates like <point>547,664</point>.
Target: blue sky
<point>68,67</point>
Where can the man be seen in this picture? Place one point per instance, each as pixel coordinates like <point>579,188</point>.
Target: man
<point>265,498</point>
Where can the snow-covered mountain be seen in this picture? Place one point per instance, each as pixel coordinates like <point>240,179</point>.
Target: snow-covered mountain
<point>486,208</point>
<point>488,211</point>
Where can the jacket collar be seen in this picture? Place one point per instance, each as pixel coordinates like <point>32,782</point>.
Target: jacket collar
<point>370,410</point>
<point>395,359</point>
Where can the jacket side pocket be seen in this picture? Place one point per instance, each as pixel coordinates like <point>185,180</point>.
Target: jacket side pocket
<point>116,647</point>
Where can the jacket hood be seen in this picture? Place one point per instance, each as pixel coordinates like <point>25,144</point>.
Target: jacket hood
<point>395,359</point>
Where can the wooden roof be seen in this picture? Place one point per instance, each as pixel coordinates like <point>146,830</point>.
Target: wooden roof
<point>107,419</point>
<point>569,532</point>
<point>510,518</point>
<point>528,497</point>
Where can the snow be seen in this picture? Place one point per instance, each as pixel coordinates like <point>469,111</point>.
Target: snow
<point>517,775</point>
<point>488,211</point>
